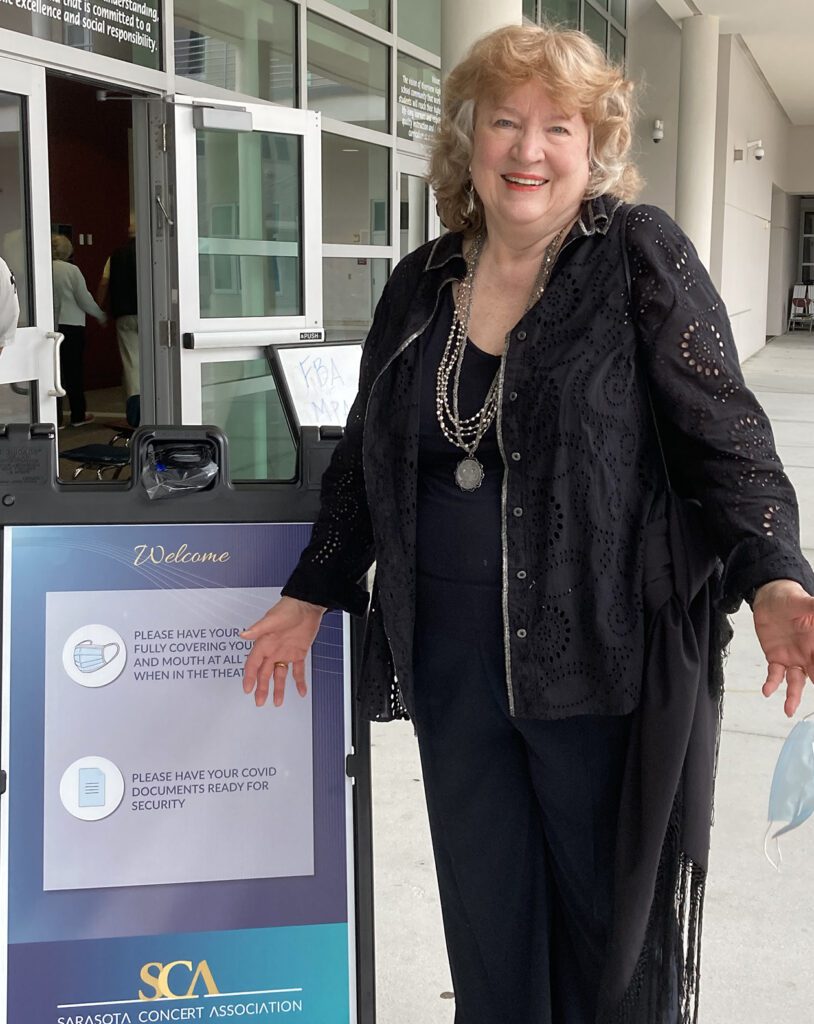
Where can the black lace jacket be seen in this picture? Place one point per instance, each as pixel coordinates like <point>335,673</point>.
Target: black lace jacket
<point>583,473</point>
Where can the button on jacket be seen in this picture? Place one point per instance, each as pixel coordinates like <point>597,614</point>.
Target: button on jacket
<point>583,473</point>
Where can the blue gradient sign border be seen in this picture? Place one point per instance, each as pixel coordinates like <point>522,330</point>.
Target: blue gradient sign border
<point>257,948</point>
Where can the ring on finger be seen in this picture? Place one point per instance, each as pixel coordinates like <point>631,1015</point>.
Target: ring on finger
<point>281,664</point>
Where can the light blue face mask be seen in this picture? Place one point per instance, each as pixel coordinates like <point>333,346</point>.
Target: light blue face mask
<point>90,657</point>
<point>792,795</point>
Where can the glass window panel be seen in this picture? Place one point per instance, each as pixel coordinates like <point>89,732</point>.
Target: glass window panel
<point>419,99</point>
<point>530,9</point>
<point>355,192</point>
<point>13,201</point>
<point>351,289</point>
<point>617,46</point>
<point>808,224</point>
<point>347,75</point>
<point>16,402</point>
<point>240,397</point>
<point>415,202</point>
<point>561,12</point>
<point>377,12</point>
<point>128,32</point>
<point>808,250</point>
<point>420,23</point>
<point>619,10</point>
<point>248,46</point>
<point>596,26</point>
<point>249,231</point>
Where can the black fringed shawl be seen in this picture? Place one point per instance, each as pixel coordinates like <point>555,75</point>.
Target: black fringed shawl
<point>652,970</point>
<point>652,973</point>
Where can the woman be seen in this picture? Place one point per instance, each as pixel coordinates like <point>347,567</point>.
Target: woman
<point>9,306</point>
<point>72,301</point>
<point>536,610</point>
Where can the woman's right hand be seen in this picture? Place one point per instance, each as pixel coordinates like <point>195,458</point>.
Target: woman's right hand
<point>281,638</point>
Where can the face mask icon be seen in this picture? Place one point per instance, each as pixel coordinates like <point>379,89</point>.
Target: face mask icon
<point>792,794</point>
<point>90,657</point>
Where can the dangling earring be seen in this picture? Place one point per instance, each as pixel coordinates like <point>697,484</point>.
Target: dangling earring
<point>470,199</point>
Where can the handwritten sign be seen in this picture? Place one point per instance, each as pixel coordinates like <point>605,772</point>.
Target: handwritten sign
<point>322,381</point>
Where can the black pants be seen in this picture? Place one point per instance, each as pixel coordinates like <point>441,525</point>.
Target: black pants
<point>523,820</point>
<point>71,356</point>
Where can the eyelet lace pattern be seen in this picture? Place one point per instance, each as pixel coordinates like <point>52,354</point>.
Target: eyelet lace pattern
<point>574,403</point>
<point>721,446</point>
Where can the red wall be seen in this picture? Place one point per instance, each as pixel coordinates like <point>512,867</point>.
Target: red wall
<point>88,164</point>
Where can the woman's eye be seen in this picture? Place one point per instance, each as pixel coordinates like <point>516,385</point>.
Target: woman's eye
<point>559,129</point>
<point>504,122</point>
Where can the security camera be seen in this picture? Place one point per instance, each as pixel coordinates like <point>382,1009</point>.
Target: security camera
<point>760,152</point>
<point>757,146</point>
<point>658,130</point>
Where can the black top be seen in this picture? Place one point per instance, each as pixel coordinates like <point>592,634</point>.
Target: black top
<point>123,278</point>
<point>457,532</point>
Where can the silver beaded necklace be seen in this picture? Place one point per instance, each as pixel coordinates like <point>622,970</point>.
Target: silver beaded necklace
<point>466,432</point>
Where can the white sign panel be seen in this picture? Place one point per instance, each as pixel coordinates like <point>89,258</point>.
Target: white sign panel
<point>143,705</point>
<point>322,381</point>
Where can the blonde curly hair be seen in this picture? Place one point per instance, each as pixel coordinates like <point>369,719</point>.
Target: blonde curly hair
<point>573,70</point>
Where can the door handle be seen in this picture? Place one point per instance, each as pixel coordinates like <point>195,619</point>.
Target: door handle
<point>163,209</point>
<point>57,391</point>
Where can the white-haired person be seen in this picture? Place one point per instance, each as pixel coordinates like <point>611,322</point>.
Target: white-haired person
<point>72,302</point>
<point>9,306</point>
<point>547,392</point>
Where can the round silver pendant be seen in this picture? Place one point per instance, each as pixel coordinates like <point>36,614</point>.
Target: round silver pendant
<point>469,474</point>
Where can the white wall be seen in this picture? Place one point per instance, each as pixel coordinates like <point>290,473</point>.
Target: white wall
<point>654,61</point>
<point>744,193</point>
<point>716,255</point>
<point>783,259</point>
<point>754,239</point>
<point>800,172</point>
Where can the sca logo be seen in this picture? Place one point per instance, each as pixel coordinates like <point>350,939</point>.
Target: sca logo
<point>177,980</point>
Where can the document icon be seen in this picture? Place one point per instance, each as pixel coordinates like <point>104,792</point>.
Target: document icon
<point>91,787</point>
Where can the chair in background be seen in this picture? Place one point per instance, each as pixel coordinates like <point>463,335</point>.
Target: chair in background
<point>800,311</point>
<point>98,458</point>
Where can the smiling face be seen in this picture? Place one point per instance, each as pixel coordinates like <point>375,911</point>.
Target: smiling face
<point>529,162</point>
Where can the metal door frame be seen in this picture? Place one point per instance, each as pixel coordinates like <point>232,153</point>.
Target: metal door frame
<point>34,355</point>
<point>230,339</point>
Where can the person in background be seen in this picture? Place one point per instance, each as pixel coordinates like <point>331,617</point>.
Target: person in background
<point>13,250</point>
<point>72,301</point>
<point>119,285</point>
<point>9,306</point>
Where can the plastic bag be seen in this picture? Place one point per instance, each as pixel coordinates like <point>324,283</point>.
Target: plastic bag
<point>175,468</point>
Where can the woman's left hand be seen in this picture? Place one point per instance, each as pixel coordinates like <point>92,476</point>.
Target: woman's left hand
<point>784,623</point>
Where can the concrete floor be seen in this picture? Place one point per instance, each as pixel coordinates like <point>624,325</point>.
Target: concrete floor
<point>759,924</point>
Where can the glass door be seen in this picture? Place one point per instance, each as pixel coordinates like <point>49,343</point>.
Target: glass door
<point>418,220</point>
<point>29,366</point>
<point>248,210</point>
